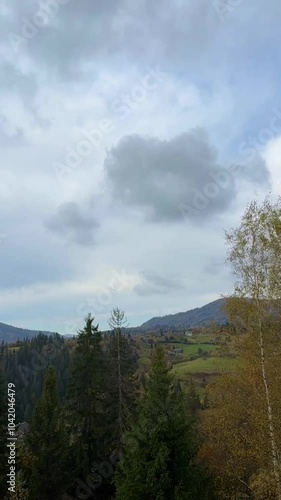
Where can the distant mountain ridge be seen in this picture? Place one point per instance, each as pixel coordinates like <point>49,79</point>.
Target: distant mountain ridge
<point>195,317</point>
<point>183,320</point>
<point>11,334</point>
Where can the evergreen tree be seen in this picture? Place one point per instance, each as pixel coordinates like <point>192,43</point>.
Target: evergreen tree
<point>46,444</point>
<point>193,400</point>
<point>160,450</point>
<point>121,383</point>
<point>26,368</point>
<point>21,491</point>
<point>86,395</point>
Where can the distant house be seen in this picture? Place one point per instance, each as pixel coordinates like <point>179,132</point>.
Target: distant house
<point>175,352</point>
<point>188,333</point>
<point>21,430</point>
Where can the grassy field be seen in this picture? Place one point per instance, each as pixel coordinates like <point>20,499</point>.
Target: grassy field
<point>214,365</point>
<point>188,350</point>
<point>192,348</point>
<point>201,338</point>
<point>201,370</point>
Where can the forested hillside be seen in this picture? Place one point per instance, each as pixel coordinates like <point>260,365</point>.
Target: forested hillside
<point>10,333</point>
<point>200,316</point>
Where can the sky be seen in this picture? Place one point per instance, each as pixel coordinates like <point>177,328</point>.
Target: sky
<point>132,135</point>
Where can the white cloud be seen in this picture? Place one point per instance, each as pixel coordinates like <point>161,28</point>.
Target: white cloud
<point>272,156</point>
<point>75,73</point>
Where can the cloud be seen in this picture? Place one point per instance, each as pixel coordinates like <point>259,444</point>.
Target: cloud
<point>256,171</point>
<point>154,284</point>
<point>83,67</point>
<point>14,79</point>
<point>214,266</point>
<point>10,136</point>
<point>73,35</point>
<point>72,222</point>
<point>161,177</point>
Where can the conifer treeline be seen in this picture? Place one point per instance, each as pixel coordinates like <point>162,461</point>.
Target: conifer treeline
<point>109,415</point>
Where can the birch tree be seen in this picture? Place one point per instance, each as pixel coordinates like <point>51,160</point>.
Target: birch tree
<point>255,256</point>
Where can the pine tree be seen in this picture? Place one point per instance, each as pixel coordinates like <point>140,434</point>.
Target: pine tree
<point>86,395</point>
<point>160,449</point>
<point>46,444</point>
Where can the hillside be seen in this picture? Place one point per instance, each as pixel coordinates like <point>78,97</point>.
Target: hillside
<point>11,334</point>
<point>195,317</point>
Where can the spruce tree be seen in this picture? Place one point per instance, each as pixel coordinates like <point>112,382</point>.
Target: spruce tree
<point>86,395</point>
<point>46,444</point>
<point>160,449</point>
<point>193,400</point>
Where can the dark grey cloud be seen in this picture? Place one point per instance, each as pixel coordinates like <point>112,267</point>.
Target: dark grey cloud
<point>256,171</point>
<point>143,32</point>
<point>72,222</point>
<point>88,30</point>
<point>171,179</point>
<point>154,284</point>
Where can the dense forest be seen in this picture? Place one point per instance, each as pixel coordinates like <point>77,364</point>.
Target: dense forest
<point>103,424</point>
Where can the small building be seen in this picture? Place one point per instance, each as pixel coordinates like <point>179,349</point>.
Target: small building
<point>21,430</point>
<point>178,350</point>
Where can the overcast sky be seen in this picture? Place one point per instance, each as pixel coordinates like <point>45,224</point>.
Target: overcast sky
<point>132,134</point>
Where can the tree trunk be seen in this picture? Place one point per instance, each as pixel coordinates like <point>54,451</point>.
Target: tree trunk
<point>269,416</point>
<point>120,403</point>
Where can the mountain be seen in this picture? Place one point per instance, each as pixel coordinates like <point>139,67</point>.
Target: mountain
<point>11,334</point>
<point>195,317</point>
